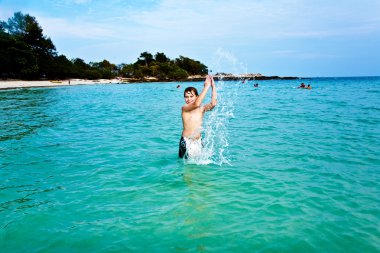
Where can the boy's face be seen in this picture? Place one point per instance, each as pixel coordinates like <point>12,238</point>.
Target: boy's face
<point>190,97</point>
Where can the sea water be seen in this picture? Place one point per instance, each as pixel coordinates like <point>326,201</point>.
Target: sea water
<point>95,169</point>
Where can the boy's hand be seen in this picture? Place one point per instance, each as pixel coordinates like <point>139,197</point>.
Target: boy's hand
<point>208,81</point>
<point>212,82</point>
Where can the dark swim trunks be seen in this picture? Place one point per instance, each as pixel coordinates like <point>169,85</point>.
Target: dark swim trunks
<point>182,148</point>
<point>189,147</point>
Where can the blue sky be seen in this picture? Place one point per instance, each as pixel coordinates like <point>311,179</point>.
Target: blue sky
<point>285,37</point>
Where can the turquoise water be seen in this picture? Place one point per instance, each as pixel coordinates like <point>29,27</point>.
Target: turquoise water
<point>95,169</point>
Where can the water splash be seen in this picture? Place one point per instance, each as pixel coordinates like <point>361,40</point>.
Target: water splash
<point>226,61</point>
<point>216,123</point>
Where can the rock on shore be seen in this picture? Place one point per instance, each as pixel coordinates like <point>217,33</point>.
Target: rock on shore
<point>232,77</point>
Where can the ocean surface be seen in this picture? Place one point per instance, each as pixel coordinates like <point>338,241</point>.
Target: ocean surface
<point>95,169</point>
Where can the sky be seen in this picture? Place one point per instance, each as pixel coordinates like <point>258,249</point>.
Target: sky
<point>304,38</point>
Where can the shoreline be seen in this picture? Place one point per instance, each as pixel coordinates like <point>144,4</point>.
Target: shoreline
<point>16,84</point>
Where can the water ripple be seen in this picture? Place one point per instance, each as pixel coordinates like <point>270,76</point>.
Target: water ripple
<point>95,168</point>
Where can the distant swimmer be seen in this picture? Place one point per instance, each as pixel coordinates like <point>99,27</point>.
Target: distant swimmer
<point>178,86</point>
<point>302,86</point>
<point>256,85</point>
<point>190,144</point>
<point>308,87</point>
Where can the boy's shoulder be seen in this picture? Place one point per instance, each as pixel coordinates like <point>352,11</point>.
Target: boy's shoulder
<point>200,109</point>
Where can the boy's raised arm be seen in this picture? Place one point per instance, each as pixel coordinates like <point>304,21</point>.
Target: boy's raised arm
<point>199,100</point>
<point>213,102</point>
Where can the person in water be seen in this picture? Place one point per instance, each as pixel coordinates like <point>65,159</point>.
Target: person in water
<point>192,117</point>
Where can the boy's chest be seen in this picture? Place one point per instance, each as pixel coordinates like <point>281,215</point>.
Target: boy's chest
<point>195,115</point>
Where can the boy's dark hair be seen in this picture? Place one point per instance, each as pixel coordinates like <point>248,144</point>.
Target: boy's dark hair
<point>190,89</point>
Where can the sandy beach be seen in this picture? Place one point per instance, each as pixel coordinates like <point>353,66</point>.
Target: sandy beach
<point>52,83</point>
<point>14,84</point>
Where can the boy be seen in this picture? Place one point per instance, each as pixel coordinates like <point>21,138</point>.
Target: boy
<point>192,117</point>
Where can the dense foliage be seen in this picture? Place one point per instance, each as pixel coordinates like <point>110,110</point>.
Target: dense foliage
<point>26,53</point>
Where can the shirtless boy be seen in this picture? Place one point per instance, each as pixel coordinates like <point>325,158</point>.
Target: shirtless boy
<point>192,117</point>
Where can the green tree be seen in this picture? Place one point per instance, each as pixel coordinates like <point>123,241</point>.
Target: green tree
<point>177,73</point>
<point>92,74</point>
<point>2,28</point>
<point>161,57</point>
<point>25,28</point>
<point>17,60</point>
<point>25,52</point>
<point>127,70</point>
<point>191,66</point>
<point>80,68</point>
<point>107,69</point>
<point>15,25</point>
<point>137,71</point>
<point>145,58</point>
<point>62,68</point>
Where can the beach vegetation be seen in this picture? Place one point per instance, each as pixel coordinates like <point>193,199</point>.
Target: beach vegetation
<point>177,73</point>
<point>27,53</point>
<point>191,66</point>
<point>30,46</point>
<point>145,59</point>
<point>105,68</point>
<point>161,57</point>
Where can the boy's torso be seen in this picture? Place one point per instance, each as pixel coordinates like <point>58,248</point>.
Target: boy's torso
<point>192,123</point>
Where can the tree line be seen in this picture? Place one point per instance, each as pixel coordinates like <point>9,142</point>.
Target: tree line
<point>26,53</point>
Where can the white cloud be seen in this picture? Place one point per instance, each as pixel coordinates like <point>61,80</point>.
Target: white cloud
<point>209,21</point>
<point>63,28</point>
<point>244,29</point>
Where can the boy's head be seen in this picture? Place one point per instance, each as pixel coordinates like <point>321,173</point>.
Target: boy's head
<point>190,95</point>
